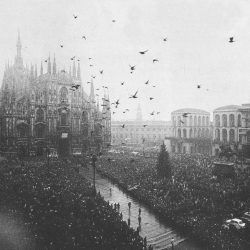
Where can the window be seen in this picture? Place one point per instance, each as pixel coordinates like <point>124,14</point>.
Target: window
<point>231,136</point>
<point>224,120</point>
<point>231,120</point>
<point>239,120</point>
<point>217,120</point>
<point>40,115</point>
<point>224,135</point>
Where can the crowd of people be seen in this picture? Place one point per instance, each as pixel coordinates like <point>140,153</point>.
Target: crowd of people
<point>60,210</point>
<point>193,199</point>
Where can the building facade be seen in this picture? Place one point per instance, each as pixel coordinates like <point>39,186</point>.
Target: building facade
<point>39,111</point>
<point>191,131</point>
<point>136,132</point>
<point>231,127</point>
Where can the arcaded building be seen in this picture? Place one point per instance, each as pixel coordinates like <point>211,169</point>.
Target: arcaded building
<point>191,131</point>
<point>231,127</point>
<point>42,110</point>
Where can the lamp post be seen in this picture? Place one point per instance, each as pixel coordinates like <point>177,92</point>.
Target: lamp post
<point>94,159</point>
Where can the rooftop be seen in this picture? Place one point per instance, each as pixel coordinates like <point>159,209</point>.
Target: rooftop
<point>228,108</point>
<point>191,110</point>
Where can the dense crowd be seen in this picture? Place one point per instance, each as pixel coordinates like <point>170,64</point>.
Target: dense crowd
<point>193,199</point>
<point>60,210</point>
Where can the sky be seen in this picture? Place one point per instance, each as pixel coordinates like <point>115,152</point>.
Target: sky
<point>197,51</point>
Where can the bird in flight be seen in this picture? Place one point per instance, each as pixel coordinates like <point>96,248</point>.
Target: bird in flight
<point>132,67</point>
<point>185,114</point>
<point>76,86</point>
<point>158,113</point>
<point>154,86</point>
<point>63,71</point>
<point>123,126</point>
<point>134,95</point>
<point>165,39</point>
<point>151,98</point>
<point>231,39</point>
<point>84,37</point>
<point>155,60</point>
<point>152,113</point>
<point>147,82</point>
<point>74,16</point>
<point>91,65</point>
<point>122,83</point>
<point>101,71</point>
<point>145,125</point>
<point>93,76</point>
<point>46,60</point>
<point>113,20</point>
<point>97,89</point>
<point>61,45</point>
<point>143,52</point>
<point>182,122</point>
<point>72,58</point>
<point>198,86</point>
<point>90,58</point>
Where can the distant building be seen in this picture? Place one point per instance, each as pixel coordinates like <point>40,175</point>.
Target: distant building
<point>40,111</point>
<point>232,128</point>
<point>139,131</point>
<point>191,131</point>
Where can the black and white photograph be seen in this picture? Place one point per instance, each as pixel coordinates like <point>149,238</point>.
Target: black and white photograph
<point>125,125</point>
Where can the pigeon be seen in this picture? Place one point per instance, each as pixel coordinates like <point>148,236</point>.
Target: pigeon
<point>151,98</point>
<point>134,95</point>
<point>74,16</point>
<point>152,113</point>
<point>198,86</point>
<point>101,71</point>
<point>165,39</point>
<point>78,60</point>
<point>231,40</point>
<point>90,58</point>
<point>61,45</point>
<point>72,58</point>
<point>132,67</point>
<point>143,52</point>
<point>76,86</point>
<point>147,82</point>
<point>93,76</point>
<point>84,37</point>
<point>46,60</point>
<point>113,20</point>
<point>63,71</point>
<point>154,86</point>
<point>182,121</point>
<point>91,65</point>
<point>158,113</point>
<point>122,83</point>
<point>123,126</point>
<point>185,114</point>
<point>97,89</point>
<point>155,60</point>
<point>145,125</point>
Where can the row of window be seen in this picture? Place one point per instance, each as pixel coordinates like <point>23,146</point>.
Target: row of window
<point>222,120</point>
<point>190,121</point>
<point>183,133</point>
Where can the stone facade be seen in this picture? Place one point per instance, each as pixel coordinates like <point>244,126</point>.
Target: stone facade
<point>42,110</point>
<point>191,131</point>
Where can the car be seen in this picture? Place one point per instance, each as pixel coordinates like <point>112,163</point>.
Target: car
<point>234,224</point>
<point>246,218</point>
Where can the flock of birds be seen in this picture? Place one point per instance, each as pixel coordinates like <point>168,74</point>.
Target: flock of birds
<point>132,69</point>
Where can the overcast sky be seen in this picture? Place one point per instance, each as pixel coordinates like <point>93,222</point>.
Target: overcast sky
<point>197,50</point>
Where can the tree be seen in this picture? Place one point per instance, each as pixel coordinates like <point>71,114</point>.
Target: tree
<point>164,164</point>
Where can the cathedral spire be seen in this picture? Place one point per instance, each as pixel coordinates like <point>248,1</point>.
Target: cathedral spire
<point>41,70</point>
<point>92,93</point>
<point>35,71</point>
<point>74,69</point>
<point>54,66</point>
<point>78,72</point>
<point>18,59</point>
<point>49,66</point>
